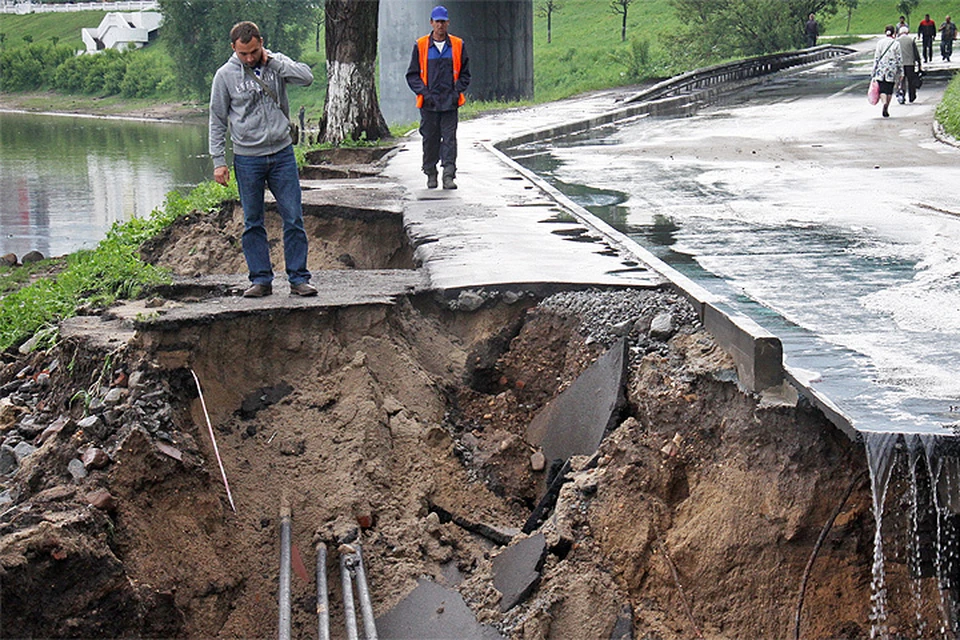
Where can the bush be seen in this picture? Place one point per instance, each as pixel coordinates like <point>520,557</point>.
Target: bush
<point>31,67</point>
<point>145,77</point>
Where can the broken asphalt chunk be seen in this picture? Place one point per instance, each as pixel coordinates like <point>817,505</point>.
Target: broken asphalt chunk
<point>574,422</point>
<point>516,571</point>
<point>432,611</point>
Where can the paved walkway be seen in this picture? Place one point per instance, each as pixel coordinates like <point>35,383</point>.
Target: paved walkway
<point>500,228</point>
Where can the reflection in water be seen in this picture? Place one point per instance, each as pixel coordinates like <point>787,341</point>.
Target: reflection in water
<point>65,180</point>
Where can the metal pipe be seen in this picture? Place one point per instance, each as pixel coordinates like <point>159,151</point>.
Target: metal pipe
<point>323,602</point>
<point>366,607</point>
<point>346,581</point>
<point>285,526</point>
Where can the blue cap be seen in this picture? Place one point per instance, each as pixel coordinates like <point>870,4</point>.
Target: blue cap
<point>439,13</point>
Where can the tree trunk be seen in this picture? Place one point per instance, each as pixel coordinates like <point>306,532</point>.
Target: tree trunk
<point>351,109</point>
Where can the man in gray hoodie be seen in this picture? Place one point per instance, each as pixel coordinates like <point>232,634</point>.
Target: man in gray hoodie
<point>249,97</point>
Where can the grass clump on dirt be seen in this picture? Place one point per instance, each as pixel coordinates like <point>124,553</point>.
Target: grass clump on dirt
<point>98,277</point>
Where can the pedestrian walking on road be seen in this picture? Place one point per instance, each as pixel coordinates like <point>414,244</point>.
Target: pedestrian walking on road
<point>249,97</point>
<point>911,66</point>
<point>948,33</point>
<point>887,66</point>
<point>439,73</point>
<point>928,33</point>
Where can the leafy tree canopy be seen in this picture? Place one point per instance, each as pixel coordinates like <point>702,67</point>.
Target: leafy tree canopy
<point>717,29</point>
<point>198,32</point>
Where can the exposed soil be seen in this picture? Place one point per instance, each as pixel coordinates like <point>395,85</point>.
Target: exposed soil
<point>698,516</point>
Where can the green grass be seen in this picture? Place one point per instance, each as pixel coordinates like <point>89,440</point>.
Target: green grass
<point>65,27</point>
<point>873,15</point>
<point>948,111</point>
<point>586,53</point>
<point>96,278</point>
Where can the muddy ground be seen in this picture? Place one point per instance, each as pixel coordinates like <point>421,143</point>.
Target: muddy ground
<point>697,519</point>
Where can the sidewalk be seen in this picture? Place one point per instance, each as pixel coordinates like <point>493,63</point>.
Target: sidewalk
<point>499,228</point>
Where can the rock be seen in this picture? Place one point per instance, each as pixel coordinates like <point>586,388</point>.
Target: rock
<point>23,450</point>
<point>53,429</point>
<point>29,429</point>
<point>92,425</point>
<point>27,347</point>
<point>8,414</point>
<point>469,301</point>
<point>662,326</point>
<point>5,498</point>
<point>95,458</point>
<point>115,396</point>
<point>622,328</point>
<point>169,451</point>
<point>293,446</point>
<point>76,469</point>
<point>9,260</point>
<point>135,379</point>
<point>365,520</point>
<point>511,297</point>
<point>8,460</point>
<point>32,256</point>
<point>102,499</point>
<point>43,379</point>
<point>538,461</point>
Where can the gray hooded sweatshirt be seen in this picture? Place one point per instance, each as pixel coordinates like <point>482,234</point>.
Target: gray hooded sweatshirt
<point>258,125</point>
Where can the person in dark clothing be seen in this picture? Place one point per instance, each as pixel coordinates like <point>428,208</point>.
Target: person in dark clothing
<point>811,31</point>
<point>439,72</point>
<point>927,32</point>
<point>948,33</point>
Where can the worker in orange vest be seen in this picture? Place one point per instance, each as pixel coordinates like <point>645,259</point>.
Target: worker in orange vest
<point>439,72</point>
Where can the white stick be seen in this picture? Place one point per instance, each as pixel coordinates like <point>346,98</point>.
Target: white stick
<point>213,439</point>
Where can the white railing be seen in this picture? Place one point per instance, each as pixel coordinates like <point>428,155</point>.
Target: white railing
<point>23,8</point>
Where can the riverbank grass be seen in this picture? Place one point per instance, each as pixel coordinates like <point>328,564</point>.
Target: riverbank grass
<point>94,279</point>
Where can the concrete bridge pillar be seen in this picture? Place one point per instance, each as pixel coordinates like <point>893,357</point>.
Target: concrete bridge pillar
<point>499,39</point>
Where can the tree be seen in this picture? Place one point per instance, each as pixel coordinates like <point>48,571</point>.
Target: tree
<point>849,5</point>
<point>351,109</point>
<point>199,32</point>
<point>717,29</point>
<point>546,9</point>
<point>906,7</point>
<point>621,6</point>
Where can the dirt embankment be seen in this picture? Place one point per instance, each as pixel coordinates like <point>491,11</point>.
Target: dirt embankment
<point>698,516</point>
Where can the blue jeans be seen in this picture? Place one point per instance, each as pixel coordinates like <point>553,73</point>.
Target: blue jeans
<point>279,172</point>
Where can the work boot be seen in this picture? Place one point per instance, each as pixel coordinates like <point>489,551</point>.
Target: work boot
<point>448,182</point>
<point>431,181</point>
<point>304,289</point>
<point>258,291</point>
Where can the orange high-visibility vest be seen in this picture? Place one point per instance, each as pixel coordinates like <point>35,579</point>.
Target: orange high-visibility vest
<point>456,44</point>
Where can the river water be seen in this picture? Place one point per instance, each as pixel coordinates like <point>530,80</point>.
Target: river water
<point>65,180</point>
<point>836,229</point>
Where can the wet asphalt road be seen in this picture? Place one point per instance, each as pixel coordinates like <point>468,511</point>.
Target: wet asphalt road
<point>835,228</point>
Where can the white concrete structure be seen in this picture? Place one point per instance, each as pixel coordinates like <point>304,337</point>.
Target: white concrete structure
<point>122,31</point>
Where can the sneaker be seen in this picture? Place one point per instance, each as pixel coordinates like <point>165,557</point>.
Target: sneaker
<point>304,289</point>
<point>448,182</point>
<point>258,291</point>
<point>431,181</point>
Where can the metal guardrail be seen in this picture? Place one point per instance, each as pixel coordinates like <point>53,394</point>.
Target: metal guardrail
<point>23,8</point>
<point>710,77</point>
